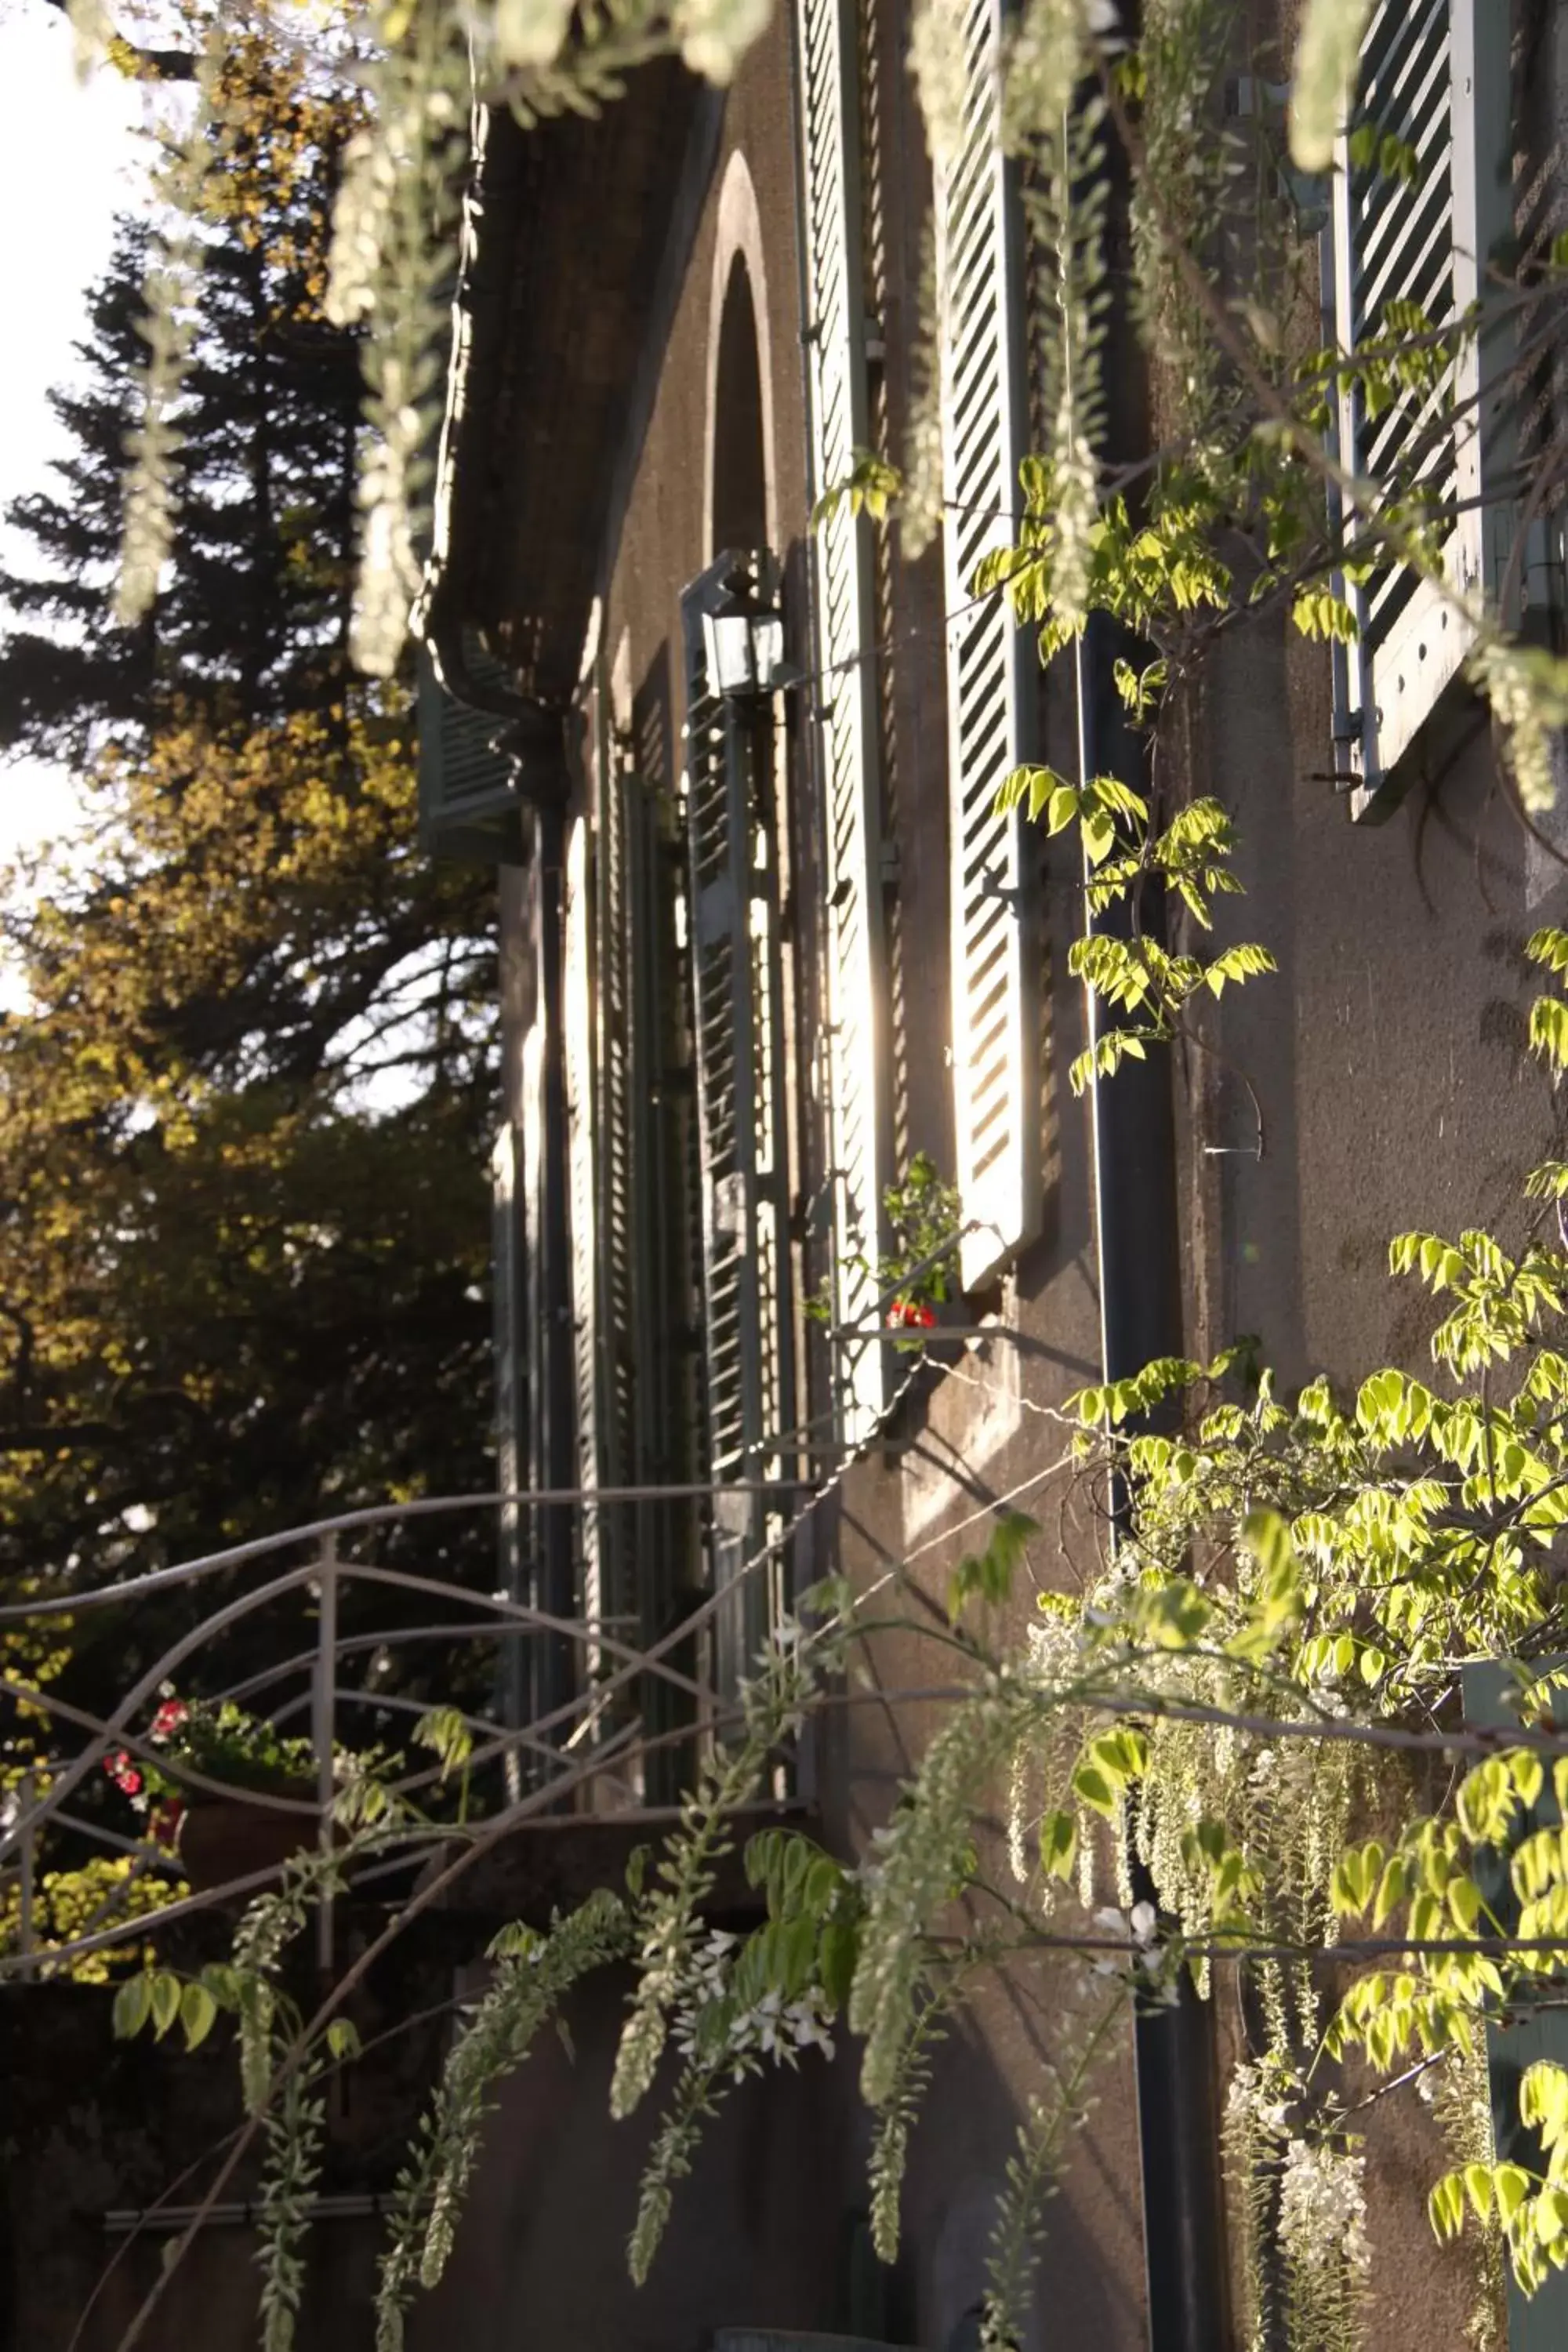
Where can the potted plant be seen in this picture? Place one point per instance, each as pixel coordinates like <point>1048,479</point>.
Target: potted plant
<point>219,1836</point>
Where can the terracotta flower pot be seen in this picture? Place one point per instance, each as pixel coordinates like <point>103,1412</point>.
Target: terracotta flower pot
<point>222,1838</point>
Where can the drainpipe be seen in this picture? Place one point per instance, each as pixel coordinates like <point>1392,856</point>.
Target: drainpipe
<point>1141,1316</point>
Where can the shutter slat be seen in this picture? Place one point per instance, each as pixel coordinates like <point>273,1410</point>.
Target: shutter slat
<point>858,1118</point>
<point>995,1015</point>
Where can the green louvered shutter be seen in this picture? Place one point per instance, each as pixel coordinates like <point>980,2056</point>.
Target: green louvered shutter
<point>621,1077</point>
<point>666,1554</point>
<point>1434,75</point>
<point>1537,2323</point>
<point>737,1027</point>
<point>468,806</point>
<point>856,1071</point>
<point>577,1000</point>
<point>993,982</point>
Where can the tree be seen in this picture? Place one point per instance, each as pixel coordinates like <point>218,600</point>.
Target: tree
<point>245,1114</point>
<point>234,1291</point>
<point>251,618</point>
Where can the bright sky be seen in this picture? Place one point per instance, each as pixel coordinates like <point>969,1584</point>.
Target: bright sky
<point>66,164</point>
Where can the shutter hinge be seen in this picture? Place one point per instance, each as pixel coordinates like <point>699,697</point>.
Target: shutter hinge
<point>991,887</point>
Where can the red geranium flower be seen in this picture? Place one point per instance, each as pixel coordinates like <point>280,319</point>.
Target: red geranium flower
<point>122,1771</point>
<point>913,1311</point>
<point>168,1719</point>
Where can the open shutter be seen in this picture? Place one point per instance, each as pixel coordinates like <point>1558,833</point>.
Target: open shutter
<point>620,1079</point>
<point>737,1028</point>
<point>994,980</point>
<point>858,1114</point>
<point>577,1016</point>
<point>469,807</point>
<point>1434,75</point>
<point>664,1186</point>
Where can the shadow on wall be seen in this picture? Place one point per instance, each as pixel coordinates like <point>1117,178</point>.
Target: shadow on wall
<point>740,465</point>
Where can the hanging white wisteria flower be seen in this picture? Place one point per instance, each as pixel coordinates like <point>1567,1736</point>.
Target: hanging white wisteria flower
<point>390,570</point>
<point>1527,690</point>
<point>529,32</point>
<point>92,29</point>
<point>713,36</point>
<point>1326,57</point>
<point>1044,64</point>
<point>940,66</point>
<point>154,444</point>
<point>1324,2243</point>
<point>359,220</point>
<point>173,286</point>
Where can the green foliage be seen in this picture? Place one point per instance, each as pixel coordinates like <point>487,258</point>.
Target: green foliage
<point>989,1574</point>
<point>1135,976</point>
<point>1296,1583</point>
<point>532,1972</point>
<point>1033,2170</point>
<point>1529,2207</point>
<point>869,487</point>
<point>666,1915</point>
<point>925,1215</point>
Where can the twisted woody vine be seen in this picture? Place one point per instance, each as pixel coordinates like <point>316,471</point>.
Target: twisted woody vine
<point>1247,1682</point>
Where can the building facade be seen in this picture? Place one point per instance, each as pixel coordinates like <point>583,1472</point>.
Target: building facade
<point>768,935</point>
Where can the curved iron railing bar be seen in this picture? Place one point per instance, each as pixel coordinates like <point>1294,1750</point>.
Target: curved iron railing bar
<point>113,1837</point>
<point>349,1642</point>
<point>521,1734</point>
<point>579,1629</point>
<point>398,1636</point>
<point>48,1808</point>
<point>589,1704</point>
<point>160,1580</point>
<point>113,1730</point>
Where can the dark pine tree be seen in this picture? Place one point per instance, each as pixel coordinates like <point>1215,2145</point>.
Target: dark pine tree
<point>252,620</point>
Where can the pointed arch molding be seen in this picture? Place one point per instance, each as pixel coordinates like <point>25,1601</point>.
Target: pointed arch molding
<point>740,231</point>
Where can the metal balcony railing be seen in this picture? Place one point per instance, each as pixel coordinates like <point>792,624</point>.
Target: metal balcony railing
<point>354,1687</point>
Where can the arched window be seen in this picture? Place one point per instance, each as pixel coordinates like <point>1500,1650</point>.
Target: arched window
<point>740,466</point>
